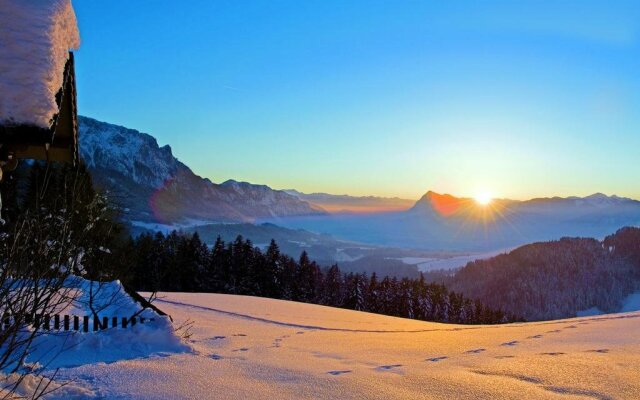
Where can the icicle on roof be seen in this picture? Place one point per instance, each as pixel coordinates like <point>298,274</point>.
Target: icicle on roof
<point>35,39</point>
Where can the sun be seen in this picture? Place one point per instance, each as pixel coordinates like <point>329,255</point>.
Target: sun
<point>483,198</point>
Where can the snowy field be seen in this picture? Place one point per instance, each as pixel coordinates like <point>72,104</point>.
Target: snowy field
<point>253,348</point>
<point>449,263</point>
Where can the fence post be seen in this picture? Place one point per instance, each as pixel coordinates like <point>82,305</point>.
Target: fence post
<point>64,322</point>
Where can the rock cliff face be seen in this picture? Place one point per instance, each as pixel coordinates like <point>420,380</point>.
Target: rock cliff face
<point>151,185</point>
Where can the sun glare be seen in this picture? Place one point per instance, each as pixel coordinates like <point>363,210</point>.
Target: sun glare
<point>483,198</point>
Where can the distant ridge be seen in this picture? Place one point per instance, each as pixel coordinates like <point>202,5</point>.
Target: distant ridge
<point>446,222</point>
<point>432,200</point>
<point>343,203</point>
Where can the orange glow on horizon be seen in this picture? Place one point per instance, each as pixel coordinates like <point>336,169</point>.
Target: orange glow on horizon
<point>445,204</point>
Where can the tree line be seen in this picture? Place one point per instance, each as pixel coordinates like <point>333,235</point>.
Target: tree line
<point>178,262</point>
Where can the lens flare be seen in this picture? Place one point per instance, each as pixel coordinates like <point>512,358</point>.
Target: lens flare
<point>483,198</point>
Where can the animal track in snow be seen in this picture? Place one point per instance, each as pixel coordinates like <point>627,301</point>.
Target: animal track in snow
<point>436,359</point>
<point>242,349</point>
<point>534,337</point>
<point>598,351</point>
<point>553,353</point>
<point>388,367</point>
<point>475,351</point>
<point>511,343</point>
<point>339,372</point>
<point>215,357</point>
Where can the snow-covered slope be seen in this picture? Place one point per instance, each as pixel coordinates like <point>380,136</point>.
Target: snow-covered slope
<point>253,348</point>
<point>155,187</point>
<point>35,39</point>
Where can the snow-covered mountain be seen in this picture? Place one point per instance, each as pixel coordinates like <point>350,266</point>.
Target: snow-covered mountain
<point>153,186</point>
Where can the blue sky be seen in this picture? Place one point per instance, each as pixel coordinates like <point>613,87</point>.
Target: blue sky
<point>519,99</point>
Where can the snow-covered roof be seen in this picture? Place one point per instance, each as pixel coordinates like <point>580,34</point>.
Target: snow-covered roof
<point>35,39</point>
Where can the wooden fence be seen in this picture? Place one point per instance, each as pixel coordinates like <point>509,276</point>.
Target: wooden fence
<point>85,323</point>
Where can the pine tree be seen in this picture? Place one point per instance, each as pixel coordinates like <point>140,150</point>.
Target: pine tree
<point>333,290</point>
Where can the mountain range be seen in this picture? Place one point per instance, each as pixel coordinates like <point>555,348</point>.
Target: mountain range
<point>445,222</point>
<point>344,203</point>
<point>152,185</point>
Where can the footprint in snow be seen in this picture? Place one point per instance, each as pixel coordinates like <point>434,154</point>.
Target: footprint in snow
<point>511,343</point>
<point>300,333</point>
<point>436,359</point>
<point>502,357</point>
<point>554,331</point>
<point>570,327</point>
<point>599,351</point>
<point>475,351</point>
<point>341,372</point>
<point>239,334</point>
<point>218,337</point>
<point>242,349</point>
<point>556,353</point>
<point>388,367</point>
<point>215,357</point>
<point>534,337</point>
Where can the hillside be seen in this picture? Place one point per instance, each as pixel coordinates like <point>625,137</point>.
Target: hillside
<point>153,186</point>
<point>253,348</point>
<point>557,279</point>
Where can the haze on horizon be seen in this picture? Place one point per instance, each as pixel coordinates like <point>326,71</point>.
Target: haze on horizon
<point>523,100</point>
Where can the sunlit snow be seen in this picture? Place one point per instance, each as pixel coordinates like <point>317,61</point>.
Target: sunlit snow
<point>36,36</point>
<point>253,348</point>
